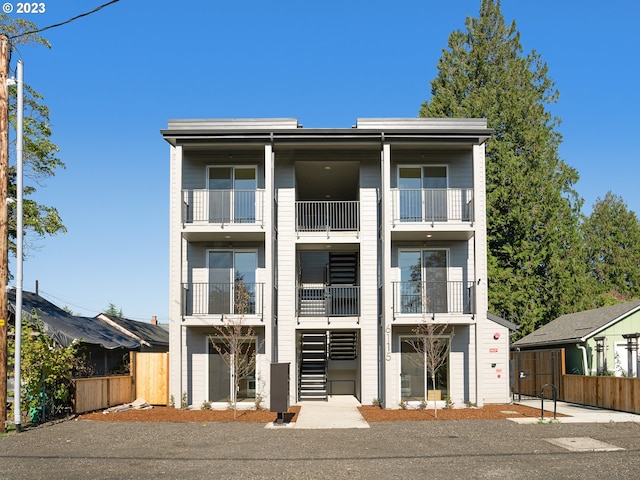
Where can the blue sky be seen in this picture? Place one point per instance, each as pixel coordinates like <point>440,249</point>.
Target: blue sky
<point>114,78</point>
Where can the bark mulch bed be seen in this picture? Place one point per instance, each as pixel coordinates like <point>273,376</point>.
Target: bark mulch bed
<point>171,414</point>
<point>370,414</point>
<point>487,412</point>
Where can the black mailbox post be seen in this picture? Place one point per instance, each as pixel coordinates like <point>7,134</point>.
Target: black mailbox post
<point>279,390</point>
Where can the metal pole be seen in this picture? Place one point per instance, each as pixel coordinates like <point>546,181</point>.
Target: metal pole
<point>18,320</point>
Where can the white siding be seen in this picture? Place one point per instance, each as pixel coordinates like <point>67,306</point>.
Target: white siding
<point>478,373</point>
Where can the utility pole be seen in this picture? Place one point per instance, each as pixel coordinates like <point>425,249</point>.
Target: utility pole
<point>4,224</point>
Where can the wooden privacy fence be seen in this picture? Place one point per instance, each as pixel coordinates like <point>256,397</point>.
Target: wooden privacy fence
<point>613,393</point>
<point>533,369</point>
<point>149,379</point>
<point>95,393</point>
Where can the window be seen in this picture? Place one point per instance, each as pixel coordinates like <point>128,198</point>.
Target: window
<point>415,379</point>
<point>423,193</point>
<point>232,194</point>
<point>423,275</point>
<point>228,270</point>
<point>221,371</point>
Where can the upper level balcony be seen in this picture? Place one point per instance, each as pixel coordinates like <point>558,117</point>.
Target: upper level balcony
<point>321,300</point>
<point>223,207</point>
<point>328,216</point>
<point>430,298</point>
<point>224,299</point>
<point>432,205</point>
<point>441,213</point>
<point>222,211</point>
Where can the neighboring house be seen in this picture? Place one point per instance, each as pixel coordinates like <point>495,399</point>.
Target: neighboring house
<point>603,340</point>
<point>152,337</point>
<point>346,239</point>
<point>105,342</point>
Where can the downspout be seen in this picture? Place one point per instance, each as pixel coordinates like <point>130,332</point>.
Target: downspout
<point>584,359</point>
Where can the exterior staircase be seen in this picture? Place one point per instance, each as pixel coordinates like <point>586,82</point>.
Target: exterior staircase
<point>312,380</point>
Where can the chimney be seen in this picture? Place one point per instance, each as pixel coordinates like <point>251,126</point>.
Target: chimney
<point>154,320</point>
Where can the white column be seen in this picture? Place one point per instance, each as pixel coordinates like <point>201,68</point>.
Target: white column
<point>389,379</point>
<point>480,255</point>
<point>175,278</point>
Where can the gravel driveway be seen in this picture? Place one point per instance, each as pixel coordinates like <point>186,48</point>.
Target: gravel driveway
<point>444,449</point>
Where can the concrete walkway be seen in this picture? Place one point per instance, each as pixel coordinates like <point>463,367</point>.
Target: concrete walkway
<point>577,413</point>
<point>339,411</point>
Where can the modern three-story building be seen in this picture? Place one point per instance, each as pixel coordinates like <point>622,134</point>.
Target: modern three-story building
<point>344,240</point>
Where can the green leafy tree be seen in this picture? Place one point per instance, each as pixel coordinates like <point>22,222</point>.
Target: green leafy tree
<point>535,260</point>
<point>39,152</point>
<point>612,238</point>
<point>46,373</point>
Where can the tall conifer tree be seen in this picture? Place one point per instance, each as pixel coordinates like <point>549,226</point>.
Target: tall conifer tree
<point>536,267</point>
<point>612,239</point>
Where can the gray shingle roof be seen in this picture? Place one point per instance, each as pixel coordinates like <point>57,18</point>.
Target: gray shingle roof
<point>65,328</point>
<point>154,335</point>
<point>576,327</point>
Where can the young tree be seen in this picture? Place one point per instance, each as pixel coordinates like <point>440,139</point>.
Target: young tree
<point>612,238</point>
<point>432,346</point>
<point>536,271</point>
<point>234,342</point>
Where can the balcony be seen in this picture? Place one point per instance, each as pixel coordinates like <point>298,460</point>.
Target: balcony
<point>320,300</point>
<point>223,207</point>
<point>432,205</point>
<point>220,299</point>
<point>327,216</point>
<point>429,298</point>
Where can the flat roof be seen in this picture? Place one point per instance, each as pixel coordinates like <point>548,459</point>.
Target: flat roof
<point>288,130</point>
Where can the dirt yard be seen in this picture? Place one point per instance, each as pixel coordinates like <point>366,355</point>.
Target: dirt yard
<point>371,414</point>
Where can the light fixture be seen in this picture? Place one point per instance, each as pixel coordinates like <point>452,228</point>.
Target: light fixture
<point>429,235</point>
<point>327,167</point>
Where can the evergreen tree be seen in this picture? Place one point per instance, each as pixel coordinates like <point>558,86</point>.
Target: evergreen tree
<point>612,238</point>
<point>535,260</point>
<point>113,311</point>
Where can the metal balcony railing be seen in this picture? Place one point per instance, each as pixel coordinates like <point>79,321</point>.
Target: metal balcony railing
<point>433,297</point>
<point>222,298</point>
<point>223,206</point>
<point>429,205</point>
<point>319,300</point>
<point>327,216</point>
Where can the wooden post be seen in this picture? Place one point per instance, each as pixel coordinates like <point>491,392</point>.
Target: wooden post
<point>4,228</point>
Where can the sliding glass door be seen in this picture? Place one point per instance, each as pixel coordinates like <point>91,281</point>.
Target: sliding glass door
<point>232,194</point>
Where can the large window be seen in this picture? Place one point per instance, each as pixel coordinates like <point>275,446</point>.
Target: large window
<point>415,377</point>
<point>221,371</point>
<point>423,193</point>
<point>423,275</point>
<point>232,194</point>
<point>228,271</point>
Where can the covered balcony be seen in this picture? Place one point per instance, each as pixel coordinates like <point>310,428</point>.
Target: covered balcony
<point>217,299</point>
<point>223,207</point>
<point>432,205</point>
<point>430,298</point>
<point>320,300</point>
<point>328,216</point>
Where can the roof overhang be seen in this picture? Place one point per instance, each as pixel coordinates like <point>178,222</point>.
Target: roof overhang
<point>368,131</point>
